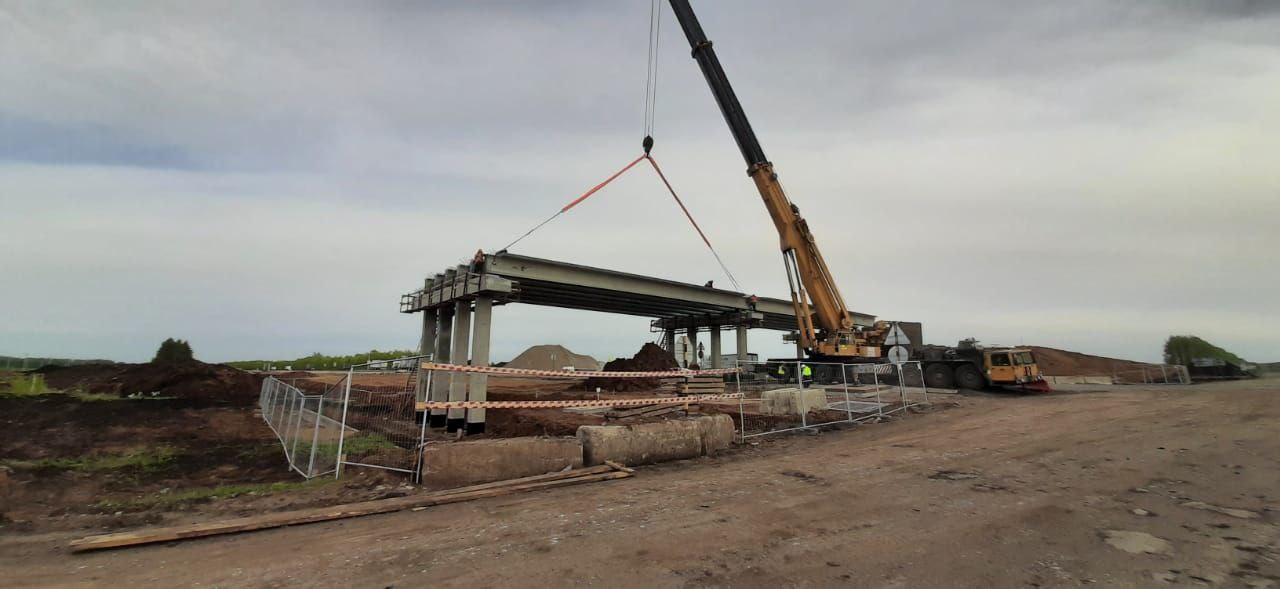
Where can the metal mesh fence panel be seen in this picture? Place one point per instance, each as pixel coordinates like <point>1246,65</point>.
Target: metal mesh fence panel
<point>329,429</point>
<point>296,419</point>
<point>789,396</point>
<point>1158,374</point>
<point>381,430</point>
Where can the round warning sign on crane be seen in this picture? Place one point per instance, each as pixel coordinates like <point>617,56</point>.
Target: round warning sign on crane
<point>898,354</point>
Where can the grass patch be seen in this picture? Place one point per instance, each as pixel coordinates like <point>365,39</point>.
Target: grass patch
<point>351,447</point>
<point>211,493</point>
<point>18,384</point>
<point>140,460</point>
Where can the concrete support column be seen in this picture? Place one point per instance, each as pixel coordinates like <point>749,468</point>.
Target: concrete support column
<point>480,357</point>
<point>715,346</point>
<point>461,348</point>
<point>444,355</point>
<point>692,334</point>
<point>426,347</point>
<point>742,343</point>
<point>669,339</point>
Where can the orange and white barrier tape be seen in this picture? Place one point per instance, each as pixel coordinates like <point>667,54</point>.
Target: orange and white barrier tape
<point>574,373</point>
<point>572,403</point>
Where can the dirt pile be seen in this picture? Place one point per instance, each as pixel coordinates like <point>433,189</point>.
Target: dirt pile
<point>1055,362</point>
<point>650,358</point>
<point>552,357</point>
<point>193,380</point>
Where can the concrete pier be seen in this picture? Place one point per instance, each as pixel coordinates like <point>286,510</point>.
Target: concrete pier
<point>427,348</point>
<point>715,346</point>
<point>461,349</point>
<point>444,354</point>
<point>479,390</point>
<point>742,343</point>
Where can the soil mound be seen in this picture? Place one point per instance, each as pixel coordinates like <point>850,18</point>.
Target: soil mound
<point>650,358</point>
<point>1055,362</point>
<point>552,357</point>
<point>192,380</point>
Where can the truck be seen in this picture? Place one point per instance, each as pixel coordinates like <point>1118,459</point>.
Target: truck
<point>825,332</point>
<point>969,365</point>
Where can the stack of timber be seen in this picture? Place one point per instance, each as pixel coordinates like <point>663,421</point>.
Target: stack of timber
<point>604,472</point>
<point>703,385</point>
<point>645,411</point>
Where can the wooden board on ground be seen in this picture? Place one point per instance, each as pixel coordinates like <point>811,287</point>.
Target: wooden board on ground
<point>306,516</point>
<point>650,411</point>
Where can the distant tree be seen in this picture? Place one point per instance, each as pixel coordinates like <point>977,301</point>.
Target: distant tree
<point>1182,349</point>
<point>173,352</point>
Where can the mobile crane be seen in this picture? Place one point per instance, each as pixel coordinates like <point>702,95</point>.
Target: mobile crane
<point>826,331</point>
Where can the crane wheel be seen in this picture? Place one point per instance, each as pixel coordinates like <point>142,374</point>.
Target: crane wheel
<point>968,377</point>
<point>939,376</point>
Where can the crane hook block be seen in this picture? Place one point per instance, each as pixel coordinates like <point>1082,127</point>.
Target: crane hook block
<point>647,143</point>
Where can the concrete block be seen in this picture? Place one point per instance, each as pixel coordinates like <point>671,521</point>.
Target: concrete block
<point>792,401</point>
<point>453,464</point>
<point>1077,379</point>
<point>649,443</point>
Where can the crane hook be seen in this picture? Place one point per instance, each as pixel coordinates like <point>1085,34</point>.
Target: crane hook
<point>648,144</point>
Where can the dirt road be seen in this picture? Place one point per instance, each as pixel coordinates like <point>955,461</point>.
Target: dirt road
<point>998,491</point>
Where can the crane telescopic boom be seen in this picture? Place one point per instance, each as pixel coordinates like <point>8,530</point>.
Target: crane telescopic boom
<point>825,323</point>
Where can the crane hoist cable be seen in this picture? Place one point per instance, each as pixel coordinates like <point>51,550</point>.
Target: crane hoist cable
<point>654,163</point>
<point>651,74</point>
<point>650,102</point>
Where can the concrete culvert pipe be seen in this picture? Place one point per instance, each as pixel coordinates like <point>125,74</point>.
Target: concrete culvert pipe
<point>649,443</point>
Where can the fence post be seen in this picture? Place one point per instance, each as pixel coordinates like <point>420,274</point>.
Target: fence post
<point>422,433</point>
<point>902,387</point>
<point>844,378</point>
<point>270,406</point>
<point>315,437</point>
<point>804,413</point>
<point>875,379</point>
<point>297,429</point>
<point>342,429</point>
<point>737,382</point>
<point>924,388</point>
<point>1164,374</point>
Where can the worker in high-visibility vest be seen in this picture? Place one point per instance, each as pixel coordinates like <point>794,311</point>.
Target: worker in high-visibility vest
<point>805,371</point>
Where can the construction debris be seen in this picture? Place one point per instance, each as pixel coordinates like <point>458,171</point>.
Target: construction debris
<point>650,358</point>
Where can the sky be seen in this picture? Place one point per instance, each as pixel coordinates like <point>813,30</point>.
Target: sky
<point>266,179</point>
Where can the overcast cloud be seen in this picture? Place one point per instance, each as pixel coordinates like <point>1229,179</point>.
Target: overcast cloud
<point>265,179</point>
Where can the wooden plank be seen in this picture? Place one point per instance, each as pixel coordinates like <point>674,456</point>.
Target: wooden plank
<point>666,409</point>
<point>306,516</point>
<point>619,414</point>
<point>619,466</point>
<point>656,412</point>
